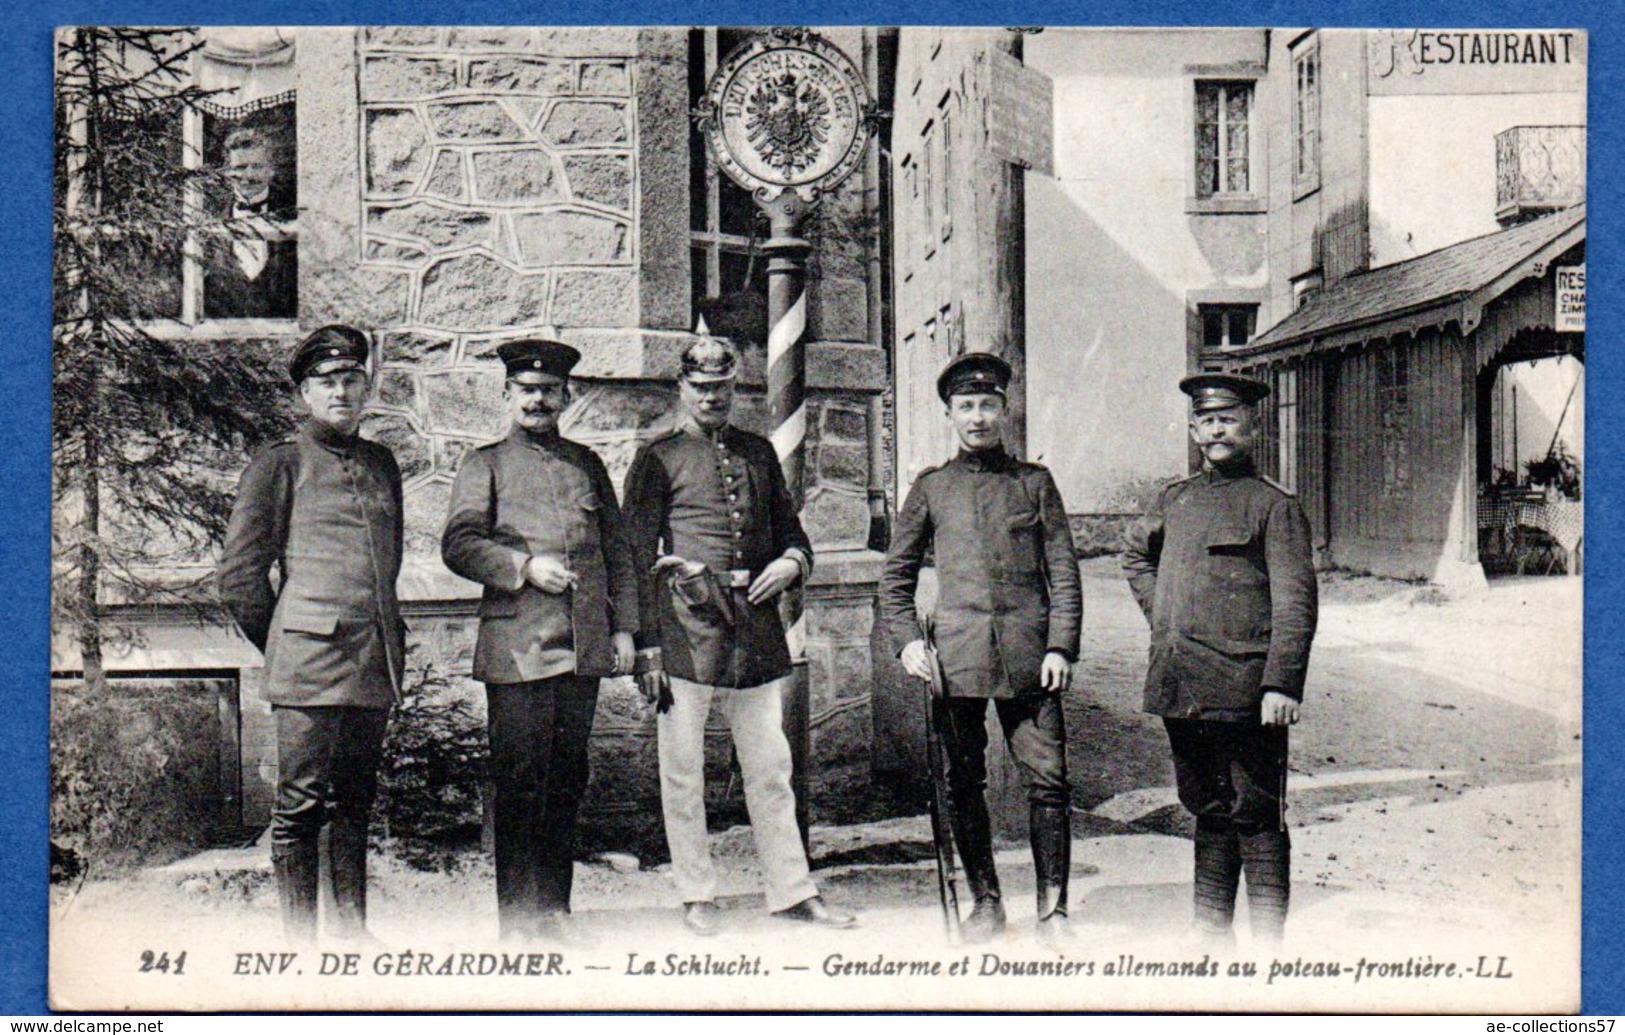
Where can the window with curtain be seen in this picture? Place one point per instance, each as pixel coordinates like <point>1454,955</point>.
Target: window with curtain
<point>243,260</point>
<point>1223,137</point>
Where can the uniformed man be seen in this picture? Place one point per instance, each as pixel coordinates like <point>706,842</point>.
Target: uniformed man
<point>718,540</point>
<point>324,507</point>
<point>1222,568</point>
<point>533,519</point>
<point>1007,625</point>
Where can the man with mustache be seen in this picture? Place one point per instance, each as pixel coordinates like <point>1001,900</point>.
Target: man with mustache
<point>718,540</point>
<point>1222,567</point>
<point>533,519</point>
<point>324,507</point>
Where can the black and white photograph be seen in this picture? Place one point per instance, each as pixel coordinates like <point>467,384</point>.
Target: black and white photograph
<point>817,519</point>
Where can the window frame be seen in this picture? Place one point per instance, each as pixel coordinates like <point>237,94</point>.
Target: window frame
<point>1306,119</point>
<point>191,324</point>
<point>1286,425</point>
<point>1391,369</point>
<point>1212,356</point>
<point>1253,199</point>
<point>712,240</point>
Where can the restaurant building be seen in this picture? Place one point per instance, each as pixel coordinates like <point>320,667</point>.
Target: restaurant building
<point>1304,205</point>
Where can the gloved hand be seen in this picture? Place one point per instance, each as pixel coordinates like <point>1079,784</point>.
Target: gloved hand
<point>653,682</point>
<point>656,687</point>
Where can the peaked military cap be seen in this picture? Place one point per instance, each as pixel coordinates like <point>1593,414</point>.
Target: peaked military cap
<point>537,356</point>
<point>974,373</point>
<point>709,360</point>
<point>326,349</point>
<point>1222,391</point>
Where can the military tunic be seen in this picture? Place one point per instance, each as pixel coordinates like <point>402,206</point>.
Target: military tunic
<point>325,508</point>
<point>1222,567</point>
<point>1010,590</point>
<point>530,495</point>
<point>540,654</point>
<point>720,500</point>
<point>1009,593</point>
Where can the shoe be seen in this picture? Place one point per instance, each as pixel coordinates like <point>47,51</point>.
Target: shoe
<point>702,918</point>
<point>816,911</point>
<point>358,939</point>
<point>1209,938</point>
<point>986,922</point>
<point>1055,933</point>
<point>562,929</point>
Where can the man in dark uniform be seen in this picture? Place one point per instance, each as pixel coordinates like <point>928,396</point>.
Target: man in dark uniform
<point>1007,625</point>
<point>1222,567</point>
<point>534,520</point>
<point>718,540</point>
<point>324,507</point>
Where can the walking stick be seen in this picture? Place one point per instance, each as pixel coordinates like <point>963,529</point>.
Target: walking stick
<point>942,827</point>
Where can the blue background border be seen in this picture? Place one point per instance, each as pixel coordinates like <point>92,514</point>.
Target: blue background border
<point>25,239</point>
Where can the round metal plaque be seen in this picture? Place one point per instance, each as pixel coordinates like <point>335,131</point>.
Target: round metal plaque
<point>787,111</point>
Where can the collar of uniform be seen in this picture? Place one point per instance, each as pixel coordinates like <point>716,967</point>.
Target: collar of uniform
<point>995,459</point>
<point>545,440</point>
<point>693,427</point>
<point>1214,475</point>
<point>329,437</point>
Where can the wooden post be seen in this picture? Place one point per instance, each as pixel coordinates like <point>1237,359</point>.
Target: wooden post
<point>1006,798</point>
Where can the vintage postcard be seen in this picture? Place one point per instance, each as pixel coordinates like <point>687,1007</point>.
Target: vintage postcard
<point>540,515</point>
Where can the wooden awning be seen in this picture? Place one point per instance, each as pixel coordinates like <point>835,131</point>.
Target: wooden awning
<point>1451,285</point>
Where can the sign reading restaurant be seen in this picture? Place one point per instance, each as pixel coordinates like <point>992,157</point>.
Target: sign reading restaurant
<point>1571,299</point>
<point>1466,61</point>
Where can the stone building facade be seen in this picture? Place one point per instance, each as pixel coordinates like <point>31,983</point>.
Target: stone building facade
<point>463,187</point>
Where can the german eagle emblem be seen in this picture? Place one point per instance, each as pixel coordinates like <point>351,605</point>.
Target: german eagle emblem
<point>787,124</point>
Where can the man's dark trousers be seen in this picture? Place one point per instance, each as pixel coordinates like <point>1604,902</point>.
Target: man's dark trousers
<point>1035,730</point>
<point>1232,778</point>
<point>327,761</point>
<point>539,743</point>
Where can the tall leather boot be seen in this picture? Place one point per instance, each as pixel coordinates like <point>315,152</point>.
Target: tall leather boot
<point>1266,857</point>
<point>974,833</point>
<point>1051,832</point>
<point>1218,875</point>
<point>297,867</point>
<point>347,860</point>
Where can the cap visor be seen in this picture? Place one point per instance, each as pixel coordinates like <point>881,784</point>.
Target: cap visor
<point>531,376</point>
<point>328,366</point>
<point>1207,405</point>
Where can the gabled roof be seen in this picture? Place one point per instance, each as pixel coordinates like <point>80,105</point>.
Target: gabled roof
<point>1474,272</point>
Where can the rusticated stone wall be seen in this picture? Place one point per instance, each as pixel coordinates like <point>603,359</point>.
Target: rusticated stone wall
<point>463,187</point>
<point>500,176</point>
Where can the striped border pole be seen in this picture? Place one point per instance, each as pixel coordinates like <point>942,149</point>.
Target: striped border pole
<point>787,409</point>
